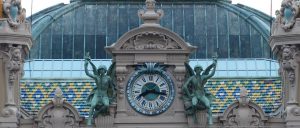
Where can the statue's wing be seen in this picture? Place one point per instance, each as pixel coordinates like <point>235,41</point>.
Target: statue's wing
<point>189,71</point>
<point>111,72</point>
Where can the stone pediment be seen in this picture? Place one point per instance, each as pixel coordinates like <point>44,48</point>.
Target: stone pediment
<point>150,39</point>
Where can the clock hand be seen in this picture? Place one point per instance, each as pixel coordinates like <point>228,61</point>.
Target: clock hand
<point>160,93</point>
<point>156,92</point>
<point>144,93</point>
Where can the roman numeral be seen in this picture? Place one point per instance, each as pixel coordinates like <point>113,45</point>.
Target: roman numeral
<point>150,78</point>
<point>143,79</point>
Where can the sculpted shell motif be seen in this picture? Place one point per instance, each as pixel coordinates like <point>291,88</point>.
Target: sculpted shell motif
<point>150,41</point>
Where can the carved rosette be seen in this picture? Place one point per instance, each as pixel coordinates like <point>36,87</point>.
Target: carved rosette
<point>288,13</point>
<point>58,114</point>
<point>150,40</point>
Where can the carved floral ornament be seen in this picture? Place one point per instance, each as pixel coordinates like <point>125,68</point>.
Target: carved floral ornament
<point>150,41</point>
<point>288,13</point>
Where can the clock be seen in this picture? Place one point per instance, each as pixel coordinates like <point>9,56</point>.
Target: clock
<point>150,90</point>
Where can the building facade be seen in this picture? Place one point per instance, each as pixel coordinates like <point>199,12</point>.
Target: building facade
<point>237,34</point>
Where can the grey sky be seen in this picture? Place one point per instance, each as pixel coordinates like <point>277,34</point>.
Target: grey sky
<point>262,5</point>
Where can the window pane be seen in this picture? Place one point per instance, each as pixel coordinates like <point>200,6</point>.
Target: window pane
<point>57,39</point>
<point>234,46</point>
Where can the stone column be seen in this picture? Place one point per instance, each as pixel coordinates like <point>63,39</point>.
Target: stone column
<point>285,43</point>
<point>15,42</point>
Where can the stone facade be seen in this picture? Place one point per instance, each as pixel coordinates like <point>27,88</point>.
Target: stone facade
<point>15,42</point>
<point>285,44</point>
<point>148,43</point>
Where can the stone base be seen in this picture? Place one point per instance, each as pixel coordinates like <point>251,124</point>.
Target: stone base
<point>202,120</point>
<point>8,122</point>
<point>151,122</point>
<point>104,121</point>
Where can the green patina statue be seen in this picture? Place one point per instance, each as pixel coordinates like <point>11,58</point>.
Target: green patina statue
<point>104,93</point>
<point>195,97</point>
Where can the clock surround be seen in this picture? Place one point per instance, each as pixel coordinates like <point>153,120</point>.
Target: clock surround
<point>150,91</point>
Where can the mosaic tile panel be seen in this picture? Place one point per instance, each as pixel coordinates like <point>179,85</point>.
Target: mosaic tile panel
<point>267,93</point>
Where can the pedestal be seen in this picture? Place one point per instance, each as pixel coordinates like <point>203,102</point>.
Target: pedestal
<point>201,120</point>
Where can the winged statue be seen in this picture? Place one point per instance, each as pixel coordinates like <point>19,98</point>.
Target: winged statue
<point>104,93</point>
<point>195,97</point>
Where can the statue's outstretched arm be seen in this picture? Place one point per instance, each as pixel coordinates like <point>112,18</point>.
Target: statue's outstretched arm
<point>93,67</point>
<point>212,73</point>
<point>86,62</point>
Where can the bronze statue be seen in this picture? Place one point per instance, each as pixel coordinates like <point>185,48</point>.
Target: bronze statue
<point>104,92</point>
<point>195,97</point>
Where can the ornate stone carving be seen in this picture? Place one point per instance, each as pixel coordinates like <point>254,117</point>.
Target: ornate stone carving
<point>288,13</point>
<point>289,62</point>
<point>14,12</point>
<point>145,41</point>
<point>150,16</point>
<point>15,64</point>
<point>13,73</point>
<point>243,113</point>
<point>58,114</point>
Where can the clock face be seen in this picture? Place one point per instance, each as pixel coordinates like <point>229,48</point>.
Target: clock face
<point>150,94</point>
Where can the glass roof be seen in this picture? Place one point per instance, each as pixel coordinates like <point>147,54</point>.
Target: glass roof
<point>69,31</point>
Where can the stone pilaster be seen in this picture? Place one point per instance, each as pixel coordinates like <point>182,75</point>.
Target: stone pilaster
<point>285,43</point>
<point>15,42</point>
